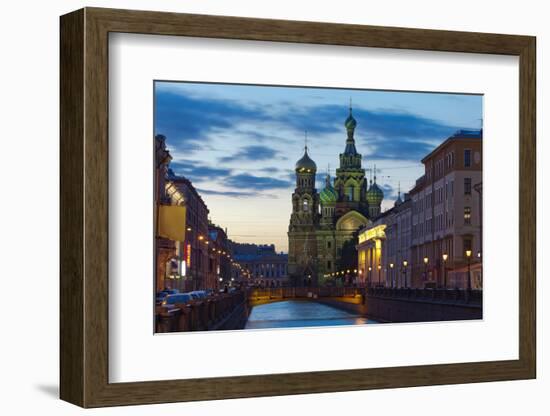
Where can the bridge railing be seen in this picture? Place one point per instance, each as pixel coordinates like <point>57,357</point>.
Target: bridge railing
<point>197,315</point>
<point>443,295</point>
<point>302,292</point>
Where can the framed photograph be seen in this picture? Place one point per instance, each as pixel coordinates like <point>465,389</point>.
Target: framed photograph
<point>255,207</point>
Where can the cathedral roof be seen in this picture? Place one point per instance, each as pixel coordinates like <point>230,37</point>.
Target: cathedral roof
<point>350,122</point>
<point>375,195</point>
<point>328,195</point>
<point>306,164</point>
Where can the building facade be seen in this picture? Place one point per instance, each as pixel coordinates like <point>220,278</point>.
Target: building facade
<point>165,249</point>
<point>446,216</point>
<point>219,258</point>
<point>433,238</point>
<point>194,249</point>
<point>322,224</point>
<point>384,247</point>
<point>261,265</point>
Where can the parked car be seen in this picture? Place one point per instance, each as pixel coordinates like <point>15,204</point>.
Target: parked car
<point>198,294</point>
<point>163,293</point>
<point>177,298</point>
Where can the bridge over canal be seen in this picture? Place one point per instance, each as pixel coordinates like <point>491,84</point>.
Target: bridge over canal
<point>383,304</point>
<point>231,310</point>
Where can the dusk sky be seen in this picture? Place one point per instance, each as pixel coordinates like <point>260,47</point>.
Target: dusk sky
<point>238,143</point>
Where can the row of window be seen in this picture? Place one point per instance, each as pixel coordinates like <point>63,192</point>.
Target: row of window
<point>449,162</point>
<point>441,222</point>
<point>441,194</point>
<point>443,246</point>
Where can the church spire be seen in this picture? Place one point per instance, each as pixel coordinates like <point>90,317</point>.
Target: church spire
<point>398,201</point>
<point>327,179</point>
<point>350,124</point>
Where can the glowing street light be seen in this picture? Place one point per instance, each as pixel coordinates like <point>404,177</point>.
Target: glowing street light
<point>405,264</point>
<point>426,261</point>
<point>469,257</point>
<point>445,256</point>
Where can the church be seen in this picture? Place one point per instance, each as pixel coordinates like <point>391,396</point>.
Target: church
<point>322,223</point>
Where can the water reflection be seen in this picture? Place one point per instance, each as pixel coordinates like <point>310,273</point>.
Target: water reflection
<point>295,313</point>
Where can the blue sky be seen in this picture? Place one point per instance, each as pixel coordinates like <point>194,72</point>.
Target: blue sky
<point>239,143</point>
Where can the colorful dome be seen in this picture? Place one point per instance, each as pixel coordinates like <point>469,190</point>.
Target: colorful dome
<point>350,122</point>
<point>328,195</point>
<point>375,195</point>
<point>306,164</point>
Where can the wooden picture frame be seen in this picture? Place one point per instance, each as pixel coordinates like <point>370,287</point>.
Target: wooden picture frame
<point>84,207</point>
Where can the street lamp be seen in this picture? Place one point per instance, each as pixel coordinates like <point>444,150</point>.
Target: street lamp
<point>369,277</point>
<point>405,264</point>
<point>391,274</point>
<point>445,257</point>
<point>469,257</point>
<point>481,270</point>
<point>426,260</point>
<point>379,269</point>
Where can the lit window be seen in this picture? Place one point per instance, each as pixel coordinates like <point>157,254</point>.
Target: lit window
<point>467,215</point>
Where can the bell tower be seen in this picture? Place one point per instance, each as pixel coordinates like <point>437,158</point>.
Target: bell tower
<point>304,219</point>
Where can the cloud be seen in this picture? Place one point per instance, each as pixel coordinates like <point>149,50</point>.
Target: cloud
<point>192,122</point>
<point>270,169</point>
<point>389,191</point>
<point>258,183</point>
<point>254,152</point>
<point>392,135</point>
<point>233,194</point>
<point>199,172</point>
<point>187,121</point>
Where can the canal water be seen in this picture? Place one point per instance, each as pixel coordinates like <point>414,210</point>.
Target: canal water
<point>296,313</point>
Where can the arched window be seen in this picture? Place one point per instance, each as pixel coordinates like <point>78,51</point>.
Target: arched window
<point>305,205</point>
<point>350,193</point>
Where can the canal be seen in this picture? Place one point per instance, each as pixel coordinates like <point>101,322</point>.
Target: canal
<point>300,313</point>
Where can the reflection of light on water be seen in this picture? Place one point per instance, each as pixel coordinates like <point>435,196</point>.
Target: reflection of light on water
<point>294,314</point>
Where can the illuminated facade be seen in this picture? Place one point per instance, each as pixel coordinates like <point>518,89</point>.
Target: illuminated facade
<point>265,266</point>
<point>165,249</point>
<point>384,247</point>
<point>322,225</point>
<point>446,214</point>
<point>219,257</point>
<point>194,249</point>
<point>433,237</point>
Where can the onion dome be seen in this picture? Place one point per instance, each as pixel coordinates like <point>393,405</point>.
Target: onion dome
<point>306,164</point>
<point>375,194</point>
<point>350,122</point>
<point>328,195</point>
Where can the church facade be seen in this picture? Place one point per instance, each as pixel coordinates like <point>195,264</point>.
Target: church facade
<point>322,223</point>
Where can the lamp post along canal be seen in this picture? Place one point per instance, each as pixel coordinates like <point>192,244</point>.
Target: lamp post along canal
<point>469,258</point>
<point>445,257</point>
